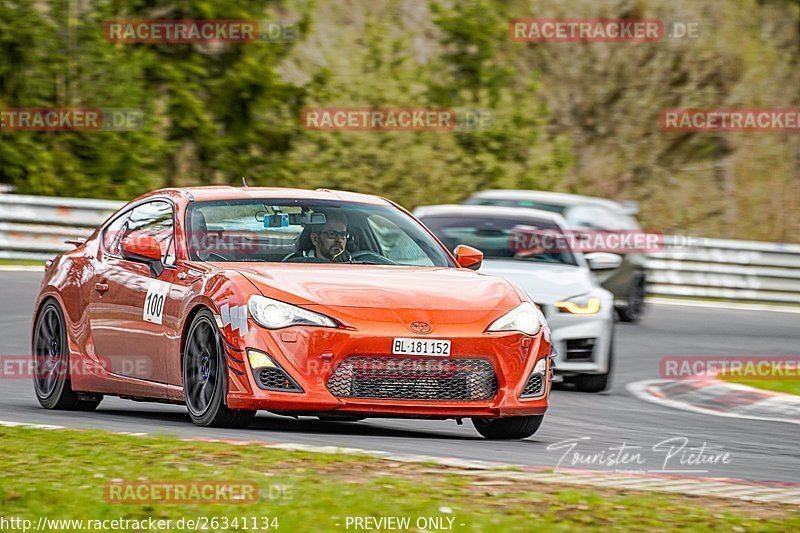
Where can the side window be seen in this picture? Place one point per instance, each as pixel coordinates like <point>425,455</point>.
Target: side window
<point>608,219</point>
<point>396,244</point>
<point>154,219</point>
<point>113,233</point>
<point>592,217</point>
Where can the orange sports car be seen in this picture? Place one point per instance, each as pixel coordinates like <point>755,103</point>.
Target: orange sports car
<point>304,303</point>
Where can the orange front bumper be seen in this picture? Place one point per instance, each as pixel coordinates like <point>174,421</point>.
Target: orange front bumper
<point>311,355</point>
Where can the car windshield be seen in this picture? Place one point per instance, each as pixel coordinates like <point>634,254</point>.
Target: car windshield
<point>507,202</point>
<point>308,231</point>
<point>528,239</point>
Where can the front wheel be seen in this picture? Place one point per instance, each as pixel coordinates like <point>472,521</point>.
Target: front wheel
<point>515,427</point>
<point>51,363</point>
<point>591,382</point>
<point>205,377</point>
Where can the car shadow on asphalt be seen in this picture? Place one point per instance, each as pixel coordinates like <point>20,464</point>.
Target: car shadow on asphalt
<point>155,418</point>
<point>280,424</point>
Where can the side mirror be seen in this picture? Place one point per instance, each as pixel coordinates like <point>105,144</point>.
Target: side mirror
<point>603,261</point>
<point>143,249</point>
<point>468,257</point>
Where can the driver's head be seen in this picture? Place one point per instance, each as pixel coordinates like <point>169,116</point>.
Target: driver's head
<point>330,239</point>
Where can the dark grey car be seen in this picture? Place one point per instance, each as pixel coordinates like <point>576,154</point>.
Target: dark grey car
<point>628,282</point>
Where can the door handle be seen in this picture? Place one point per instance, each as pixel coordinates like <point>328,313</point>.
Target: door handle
<point>102,288</point>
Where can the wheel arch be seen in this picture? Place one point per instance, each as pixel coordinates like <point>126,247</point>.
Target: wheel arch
<point>194,310</point>
<point>44,297</point>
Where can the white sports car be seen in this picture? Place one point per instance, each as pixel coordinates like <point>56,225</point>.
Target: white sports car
<point>523,246</point>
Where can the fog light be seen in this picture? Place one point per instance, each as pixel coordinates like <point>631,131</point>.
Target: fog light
<point>541,366</point>
<point>259,360</point>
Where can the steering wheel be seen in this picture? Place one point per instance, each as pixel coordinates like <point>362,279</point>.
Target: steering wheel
<point>371,256</point>
<point>209,255</point>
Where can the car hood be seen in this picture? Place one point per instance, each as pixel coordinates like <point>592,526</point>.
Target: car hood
<point>543,283</point>
<point>369,286</point>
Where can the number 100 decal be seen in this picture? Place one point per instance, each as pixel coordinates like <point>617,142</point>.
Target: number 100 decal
<point>154,302</point>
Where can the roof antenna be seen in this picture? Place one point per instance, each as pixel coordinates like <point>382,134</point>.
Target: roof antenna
<point>244,182</point>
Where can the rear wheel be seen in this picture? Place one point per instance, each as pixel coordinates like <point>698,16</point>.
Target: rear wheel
<point>205,377</point>
<point>634,311</point>
<point>51,364</point>
<point>516,427</point>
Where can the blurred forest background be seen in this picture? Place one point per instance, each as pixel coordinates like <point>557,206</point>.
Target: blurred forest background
<point>574,117</point>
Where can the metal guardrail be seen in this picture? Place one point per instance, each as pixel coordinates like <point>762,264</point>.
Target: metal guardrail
<point>726,269</point>
<point>35,228</point>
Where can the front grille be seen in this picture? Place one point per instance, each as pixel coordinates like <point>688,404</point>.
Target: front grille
<point>579,350</point>
<point>533,387</point>
<point>413,378</point>
<point>276,379</point>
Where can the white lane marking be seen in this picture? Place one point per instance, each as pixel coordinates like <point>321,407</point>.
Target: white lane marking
<point>639,389</point>
<point>731,306</point>
<point>22,268</point>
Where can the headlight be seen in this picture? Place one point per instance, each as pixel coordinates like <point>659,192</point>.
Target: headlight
<point>273,314</point>
<point>584,304</point>
<point>523,318</point>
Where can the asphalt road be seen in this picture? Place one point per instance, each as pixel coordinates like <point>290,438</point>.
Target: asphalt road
<point>601,423</point>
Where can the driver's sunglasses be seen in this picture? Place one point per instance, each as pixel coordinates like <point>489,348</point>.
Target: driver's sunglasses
<point>335,234</point>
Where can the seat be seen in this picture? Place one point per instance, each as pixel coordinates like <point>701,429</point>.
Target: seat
<point>302,245</point>
<point>198,236</point>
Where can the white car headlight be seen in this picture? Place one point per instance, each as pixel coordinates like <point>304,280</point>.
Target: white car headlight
<point>585,304</point>
<point>523,318</point>
<point>274,314</point>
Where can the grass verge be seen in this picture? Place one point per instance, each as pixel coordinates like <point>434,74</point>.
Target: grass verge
<point>62,475</point>
<point>16,262</point>
<point>789,386</point>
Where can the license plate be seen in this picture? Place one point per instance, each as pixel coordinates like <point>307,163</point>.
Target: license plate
<point>421,347</point>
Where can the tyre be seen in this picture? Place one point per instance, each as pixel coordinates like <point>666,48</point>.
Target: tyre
<point>516,427</point>
<point>205,383</point>
<point>635,309</point>
<point>591,382</point>
<point>51,379</point>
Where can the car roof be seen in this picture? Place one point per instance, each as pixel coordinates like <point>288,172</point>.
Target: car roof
<point>225,192</point>
<point>554,198</point>
<point>488,211</point>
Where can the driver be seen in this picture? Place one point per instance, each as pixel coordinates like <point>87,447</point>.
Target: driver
<point>330,239</point>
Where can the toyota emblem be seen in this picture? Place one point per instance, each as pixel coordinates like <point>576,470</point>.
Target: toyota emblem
<point>423,328</point>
